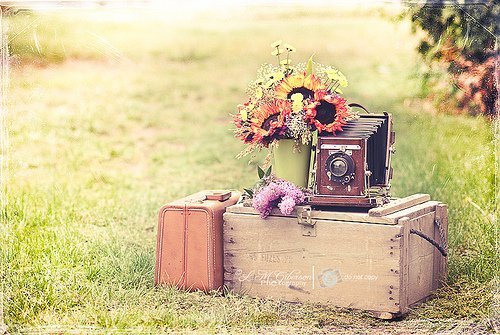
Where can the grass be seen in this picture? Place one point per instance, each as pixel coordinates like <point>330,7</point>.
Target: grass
<point>112,116</point>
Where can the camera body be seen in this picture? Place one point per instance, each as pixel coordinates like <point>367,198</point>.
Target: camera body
<point>353,167</point>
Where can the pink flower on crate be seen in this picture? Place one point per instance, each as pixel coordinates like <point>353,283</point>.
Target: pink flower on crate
<point>278,193</point>
<point>286,205</point>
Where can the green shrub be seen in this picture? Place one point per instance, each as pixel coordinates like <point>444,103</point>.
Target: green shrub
<point>459,40</point>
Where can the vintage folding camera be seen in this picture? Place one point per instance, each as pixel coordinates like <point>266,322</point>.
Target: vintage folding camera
<point>353,167</point>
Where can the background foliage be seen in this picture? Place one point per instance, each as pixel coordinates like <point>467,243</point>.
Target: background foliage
<point>460,39</point>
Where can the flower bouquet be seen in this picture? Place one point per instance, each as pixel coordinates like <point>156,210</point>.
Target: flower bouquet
<point>287,105</point>
<point>291,102</point>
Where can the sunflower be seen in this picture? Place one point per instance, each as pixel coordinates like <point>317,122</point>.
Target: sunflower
<point>241,120</point>
<point>328,112</point>
<point>268,121</point>
<point>243,130</point>
<point>298,83</point>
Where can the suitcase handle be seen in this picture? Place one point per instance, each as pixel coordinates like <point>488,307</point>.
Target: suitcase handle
<point>220,196</point>
<point>215,195</point>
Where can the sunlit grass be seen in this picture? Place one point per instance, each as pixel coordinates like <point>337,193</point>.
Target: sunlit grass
<point>110,120</point>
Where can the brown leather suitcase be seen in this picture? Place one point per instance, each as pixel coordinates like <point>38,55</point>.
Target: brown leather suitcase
<point>189,251</point>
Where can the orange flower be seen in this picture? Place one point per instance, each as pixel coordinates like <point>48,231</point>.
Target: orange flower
<point>268,121</point>
<point>298,83</point>
<point>243,131</point>
<point>328,112</point>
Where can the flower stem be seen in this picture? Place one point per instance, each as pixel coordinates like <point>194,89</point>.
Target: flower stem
<point>287,60</point>
<point>336,86</point>
<point>332,84</point>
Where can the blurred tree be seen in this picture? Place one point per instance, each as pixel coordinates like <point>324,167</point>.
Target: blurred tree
<point>462,40</point>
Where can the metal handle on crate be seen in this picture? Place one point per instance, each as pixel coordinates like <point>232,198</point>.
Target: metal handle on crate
<point>441,247</point>
<point>304,219</point>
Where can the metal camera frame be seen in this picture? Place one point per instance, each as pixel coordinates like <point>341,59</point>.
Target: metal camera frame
<point>353,188</point>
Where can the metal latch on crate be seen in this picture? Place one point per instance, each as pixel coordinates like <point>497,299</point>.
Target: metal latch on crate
<point>305,220</point>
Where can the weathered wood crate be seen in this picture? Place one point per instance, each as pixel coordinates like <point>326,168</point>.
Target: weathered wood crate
<point>376,260</point>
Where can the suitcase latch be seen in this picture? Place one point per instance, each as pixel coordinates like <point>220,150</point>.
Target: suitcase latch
<point>304,218</point>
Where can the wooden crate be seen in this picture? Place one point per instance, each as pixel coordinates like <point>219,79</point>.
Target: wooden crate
<point>375,260</point>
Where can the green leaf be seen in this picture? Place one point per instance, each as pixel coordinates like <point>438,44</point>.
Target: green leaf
<point>260,172</point>
<point>268,172</point>
<point>249,192</point>
<point>309,66</point>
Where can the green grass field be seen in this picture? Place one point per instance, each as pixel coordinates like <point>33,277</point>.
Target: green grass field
<point>111,116</point>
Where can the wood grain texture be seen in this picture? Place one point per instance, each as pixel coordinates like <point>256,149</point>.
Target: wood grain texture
<point>353,260</point>
<point>420,259</point>
<point>349,216</point>
<point>399,204</point>
<point>415,211</point>
<point>348,264</point>
<point>440,263</point>
<point>403,265</point>
<point>417,246</point>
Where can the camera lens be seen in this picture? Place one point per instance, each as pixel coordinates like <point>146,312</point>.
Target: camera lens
<point>339,167</point>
